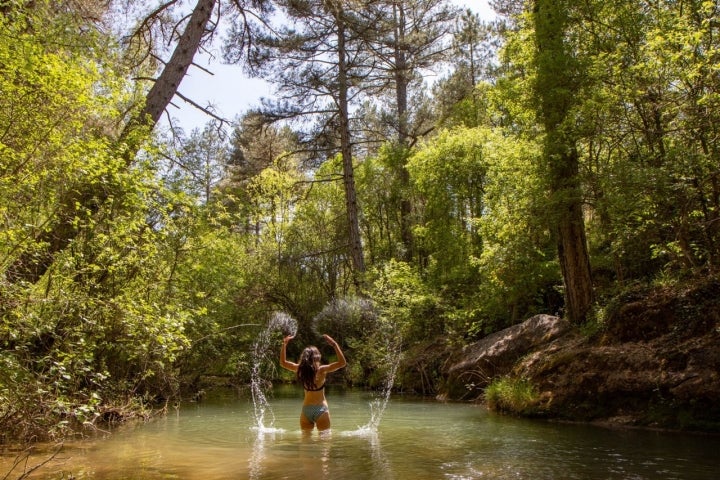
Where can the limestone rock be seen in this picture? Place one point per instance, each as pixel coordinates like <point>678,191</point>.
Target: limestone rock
<point>496,355</point>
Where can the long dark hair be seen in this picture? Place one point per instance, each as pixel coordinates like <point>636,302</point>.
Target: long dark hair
<point>307,367</point>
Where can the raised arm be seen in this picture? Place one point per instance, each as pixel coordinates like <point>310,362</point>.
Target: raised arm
<point>340,362</point>
<point>283,356</point>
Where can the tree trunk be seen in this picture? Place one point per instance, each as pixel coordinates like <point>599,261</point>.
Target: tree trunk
<point>401,86</point>
<point>167,84</point>
<point>556,90</point>
<point>351,206</point>
<point>31,266</point>
<point>572,246</point>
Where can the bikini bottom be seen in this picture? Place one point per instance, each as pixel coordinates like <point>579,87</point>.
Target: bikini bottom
<point>313,412</point>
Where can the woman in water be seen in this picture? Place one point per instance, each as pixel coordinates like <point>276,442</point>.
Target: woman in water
<point>311,374</point>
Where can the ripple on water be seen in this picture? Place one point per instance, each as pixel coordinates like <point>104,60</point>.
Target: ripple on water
<point>365,431</point>
<point>268,430</point>
<point>416,440</point>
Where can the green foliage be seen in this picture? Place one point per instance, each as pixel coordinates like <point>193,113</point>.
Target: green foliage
<point>647,145</point>
<point>512,395</point>
<point>380,192</point>
<point>294,259</point>
<point>210,268</point>
<point>173,271</point>
<point>596,322</point>
<point>53,123</point>
<point>405,303</point>
<point>354,323</point>
<point>483,227</point>
<point>101,327</point>
<point>449,174</point>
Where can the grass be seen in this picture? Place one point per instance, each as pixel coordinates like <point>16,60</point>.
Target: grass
<point>512,395</point>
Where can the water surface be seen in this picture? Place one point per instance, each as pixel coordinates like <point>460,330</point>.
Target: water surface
<point>417,439</point>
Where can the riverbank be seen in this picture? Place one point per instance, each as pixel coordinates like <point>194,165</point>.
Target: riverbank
<point>649,359</point>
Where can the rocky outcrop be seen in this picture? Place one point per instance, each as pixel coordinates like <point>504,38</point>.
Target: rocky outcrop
<point>655,362</point>
<point>635,383</point>
<point>496,355</point>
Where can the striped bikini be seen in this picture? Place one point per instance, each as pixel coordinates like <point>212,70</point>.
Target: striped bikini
<point>313,412</point>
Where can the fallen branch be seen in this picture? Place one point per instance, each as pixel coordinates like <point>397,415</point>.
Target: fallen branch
<point>23,458</point>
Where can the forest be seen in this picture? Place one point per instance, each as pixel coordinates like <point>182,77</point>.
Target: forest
<point>420,175</point>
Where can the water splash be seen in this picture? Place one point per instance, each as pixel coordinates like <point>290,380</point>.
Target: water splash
<point>283,323</point>
<point>381,400</point>
<point>264,352</point>
<point>357,317</point>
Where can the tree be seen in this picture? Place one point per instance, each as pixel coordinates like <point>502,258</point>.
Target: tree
<point>200,162</point>
<point>61,229</point>
<point>316,65</point>
<point>652,170</point>
<point>557,76</point>
<point>166,85</point>
<point>255,146</point>
<point>459,97</point>
<point>411,39</point>
<point>101,324</point>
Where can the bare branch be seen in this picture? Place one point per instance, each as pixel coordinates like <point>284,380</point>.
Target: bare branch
<point>205,110</point>
<point>145,25</point>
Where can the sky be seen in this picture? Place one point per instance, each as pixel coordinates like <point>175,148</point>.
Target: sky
<point>230,92</point>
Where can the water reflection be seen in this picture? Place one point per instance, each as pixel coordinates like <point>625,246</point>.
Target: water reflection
<point>314,453</point>
<point>420,440</point>
<point>380,461</point>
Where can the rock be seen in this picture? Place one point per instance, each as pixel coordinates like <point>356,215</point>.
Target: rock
<point>630,380</point>
<point>497,354</point>
<point>654,362</point>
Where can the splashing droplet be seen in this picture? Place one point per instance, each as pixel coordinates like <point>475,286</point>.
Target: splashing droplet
<point>263,355</point>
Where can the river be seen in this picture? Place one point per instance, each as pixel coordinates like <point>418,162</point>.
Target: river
<point>416,439</point>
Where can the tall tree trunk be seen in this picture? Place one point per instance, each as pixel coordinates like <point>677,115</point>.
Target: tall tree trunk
<point>401,94</point>
<point>167,84</point>
<point>351,206</point>
<point>557,87</point>
<point>32,265</point>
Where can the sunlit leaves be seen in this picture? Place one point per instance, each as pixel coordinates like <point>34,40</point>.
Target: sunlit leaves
<point>481,219</point>
<point>52,125</point>
<point>449,174</point>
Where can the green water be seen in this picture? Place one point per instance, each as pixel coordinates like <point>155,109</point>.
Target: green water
<point>417,439</point>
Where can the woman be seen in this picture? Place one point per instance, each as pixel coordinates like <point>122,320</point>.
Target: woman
<point>312,377</point>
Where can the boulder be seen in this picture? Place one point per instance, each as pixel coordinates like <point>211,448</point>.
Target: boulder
<point>672,381</point>
<point>467,374</point>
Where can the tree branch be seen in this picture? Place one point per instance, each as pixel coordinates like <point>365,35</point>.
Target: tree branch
<point>205,110</point>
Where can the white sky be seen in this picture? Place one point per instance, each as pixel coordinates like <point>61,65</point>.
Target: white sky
<point>230,92</point>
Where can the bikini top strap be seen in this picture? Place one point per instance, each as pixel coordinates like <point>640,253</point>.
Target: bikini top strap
<point>315,389</point>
